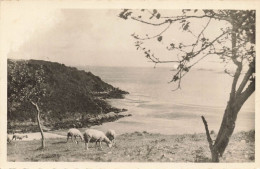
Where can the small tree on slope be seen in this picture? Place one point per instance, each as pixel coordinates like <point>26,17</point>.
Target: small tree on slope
<point>234,43</point>
<point>26,86</point>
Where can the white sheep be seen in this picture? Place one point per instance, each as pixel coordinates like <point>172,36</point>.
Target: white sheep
<point>74,133</point>
<point>97,136</point>
<point>19,137</point>
<point>8,139</point>
<point>111,134</point>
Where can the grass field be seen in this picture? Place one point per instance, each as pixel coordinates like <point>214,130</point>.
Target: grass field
<point>135,147</point>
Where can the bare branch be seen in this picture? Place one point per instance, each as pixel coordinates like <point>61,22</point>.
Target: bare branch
<point>179,82</point>
<point>154,35</point>
<point>206,46</point>
<point>174,19</point>
<point>149,23</point>
<point>151,57</point>
<point>178,18</point>
<point>36,105</point>
<point>199,60</point>
<point>196,43</point>
<point>207,133</point>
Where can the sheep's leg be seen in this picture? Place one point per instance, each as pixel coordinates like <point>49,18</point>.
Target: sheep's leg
<point>86,143</point>
<point>100,144</point>
<point>68,137</point>
<point>75,139</point>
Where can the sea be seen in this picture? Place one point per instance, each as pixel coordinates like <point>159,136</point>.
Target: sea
<point>157,108</point>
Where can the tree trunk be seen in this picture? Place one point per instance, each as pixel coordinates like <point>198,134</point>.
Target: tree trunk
<point>226,129</point>
<point>39,123</point>
<point>214,156</point>
<point>40,128</point>
<point>228,123</point>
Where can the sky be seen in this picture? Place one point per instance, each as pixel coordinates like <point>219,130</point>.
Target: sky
<point>79,37</point>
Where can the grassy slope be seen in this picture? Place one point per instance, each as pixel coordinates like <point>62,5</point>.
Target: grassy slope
<point>137,147</point>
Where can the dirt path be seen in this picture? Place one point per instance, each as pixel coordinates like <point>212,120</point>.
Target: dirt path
<point>37,136</point>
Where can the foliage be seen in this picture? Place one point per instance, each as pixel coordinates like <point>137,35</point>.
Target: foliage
<point>25,85</point>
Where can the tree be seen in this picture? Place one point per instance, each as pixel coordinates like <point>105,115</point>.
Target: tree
<point>25,87</point>
<point>234,43</point>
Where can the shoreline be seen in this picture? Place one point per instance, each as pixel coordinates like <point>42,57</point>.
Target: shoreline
<point>86,123</point>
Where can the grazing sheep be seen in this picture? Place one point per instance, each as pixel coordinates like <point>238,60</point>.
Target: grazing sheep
<point>97,136</point>
<point>19,137</point>
<point>111,134</point>
<point>74,133</point>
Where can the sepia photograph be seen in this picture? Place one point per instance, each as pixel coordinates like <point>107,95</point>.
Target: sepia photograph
<point>128,84</point>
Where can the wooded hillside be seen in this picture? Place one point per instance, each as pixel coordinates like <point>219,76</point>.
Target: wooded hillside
<point>71,94</point>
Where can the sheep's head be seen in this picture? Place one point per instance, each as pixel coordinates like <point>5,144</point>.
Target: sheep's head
<point>112,137</point>
<point>109,144</point>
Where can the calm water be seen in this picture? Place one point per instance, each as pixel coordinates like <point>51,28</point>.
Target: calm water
<point>156,108</point>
